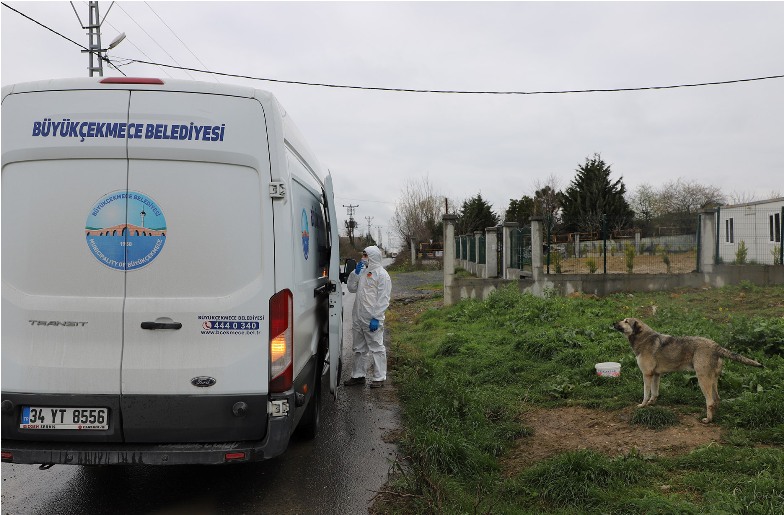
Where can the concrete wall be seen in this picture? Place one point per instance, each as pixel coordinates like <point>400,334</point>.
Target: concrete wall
<point>537,282</point>
<point>602,285</point>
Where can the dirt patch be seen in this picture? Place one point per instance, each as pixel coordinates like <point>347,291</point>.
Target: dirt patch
<point>556,431</point>
<point>680,263</point>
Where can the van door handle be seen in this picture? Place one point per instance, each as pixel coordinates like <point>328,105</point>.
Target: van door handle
<point>161,325</point>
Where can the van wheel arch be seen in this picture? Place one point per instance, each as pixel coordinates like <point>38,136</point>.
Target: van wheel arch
<point>310,423</point>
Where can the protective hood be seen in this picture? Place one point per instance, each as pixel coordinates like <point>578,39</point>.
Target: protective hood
<point>374,257</point>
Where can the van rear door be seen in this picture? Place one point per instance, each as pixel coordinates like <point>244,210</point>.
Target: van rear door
<point>62,302</point>
<point>200,270</point>
<point>336,294</point>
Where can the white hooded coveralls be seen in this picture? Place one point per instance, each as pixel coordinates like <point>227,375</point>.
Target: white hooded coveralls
<point>373,287</point>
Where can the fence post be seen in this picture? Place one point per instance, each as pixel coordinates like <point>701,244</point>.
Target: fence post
<point>507,260</point>
<point>536,247</point>
<point>491,257</point>
<point>706,243</point>
<point>449,257</point>
<point>781,238</point>
<point>604,241</point>
<point>718,235</point>
<point>413,251</point>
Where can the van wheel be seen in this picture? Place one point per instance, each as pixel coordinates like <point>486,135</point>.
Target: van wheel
<point>311,421</point>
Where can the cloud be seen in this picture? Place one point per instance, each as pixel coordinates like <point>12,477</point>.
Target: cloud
<point>729,136</point>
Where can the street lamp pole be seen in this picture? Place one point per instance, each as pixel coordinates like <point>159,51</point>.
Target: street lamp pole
<point>94,50</point>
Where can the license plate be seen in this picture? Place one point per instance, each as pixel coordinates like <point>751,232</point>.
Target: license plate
<point>34,417</point>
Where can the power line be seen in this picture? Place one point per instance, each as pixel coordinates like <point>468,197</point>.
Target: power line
<point>153,40</point>
<point>178,38</point>
<point>466,92</point>
<point>129,61</point>
<point>61,35</point>
<point>407,90</point>
<point>44,26</point>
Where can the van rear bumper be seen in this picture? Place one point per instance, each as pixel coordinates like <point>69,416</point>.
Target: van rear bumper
<point>69,453</point>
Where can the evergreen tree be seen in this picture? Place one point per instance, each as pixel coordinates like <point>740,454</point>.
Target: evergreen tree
<point>476,215</point>
<point>520,211</point>
<point>592,194</point>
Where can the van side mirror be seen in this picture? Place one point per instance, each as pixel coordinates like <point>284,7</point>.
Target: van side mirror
<point>349,267</point>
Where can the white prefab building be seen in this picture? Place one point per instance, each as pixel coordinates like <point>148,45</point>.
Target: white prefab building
<point>758,225</point>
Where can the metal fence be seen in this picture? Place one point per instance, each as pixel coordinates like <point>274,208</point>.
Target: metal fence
<point>520,251</point>
<point>622,252</point>
<point>750,234</point>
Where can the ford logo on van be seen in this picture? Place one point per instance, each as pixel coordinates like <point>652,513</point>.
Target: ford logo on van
<point>203,381</point>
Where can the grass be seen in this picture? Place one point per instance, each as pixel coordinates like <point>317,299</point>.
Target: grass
<point>468,374</point>
<point>654,417</point>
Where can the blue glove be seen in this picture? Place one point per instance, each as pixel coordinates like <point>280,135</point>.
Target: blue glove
<point>373,325</point>
<point>358,269</point>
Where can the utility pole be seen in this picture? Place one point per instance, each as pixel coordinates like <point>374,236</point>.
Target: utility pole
<point>350,223</point>
<point>93,27</point>
<point>94,35</point>
<point>369,220</point>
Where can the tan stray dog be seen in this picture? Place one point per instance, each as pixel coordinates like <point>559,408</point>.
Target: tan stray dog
<point>659,353</point>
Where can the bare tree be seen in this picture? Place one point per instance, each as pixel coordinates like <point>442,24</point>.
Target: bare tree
<point>741,197</point>
<point>688,197</point>
<point>744,197</point>
<point>418,211</point>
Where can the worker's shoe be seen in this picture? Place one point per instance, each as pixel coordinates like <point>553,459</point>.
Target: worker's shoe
<point>376,384</point>
<point>354,381</point>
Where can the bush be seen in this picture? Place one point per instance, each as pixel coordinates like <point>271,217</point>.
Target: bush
<point>591,264</point>
<point>556,261</point>
<point>630,253</point>
<point>741,254</point>
<point>758,334</point>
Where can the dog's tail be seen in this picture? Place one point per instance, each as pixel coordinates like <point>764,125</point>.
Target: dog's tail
<point>725,353</point>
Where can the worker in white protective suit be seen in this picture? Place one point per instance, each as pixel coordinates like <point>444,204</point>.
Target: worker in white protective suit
<point>373,286</point>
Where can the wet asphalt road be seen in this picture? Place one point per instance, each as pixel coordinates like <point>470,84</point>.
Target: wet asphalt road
<point>337,473</point>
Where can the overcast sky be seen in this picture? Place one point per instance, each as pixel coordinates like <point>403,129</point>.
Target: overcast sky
<point>730,136</point>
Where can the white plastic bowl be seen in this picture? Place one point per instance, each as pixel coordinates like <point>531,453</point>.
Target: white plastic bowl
<point>608,369</point>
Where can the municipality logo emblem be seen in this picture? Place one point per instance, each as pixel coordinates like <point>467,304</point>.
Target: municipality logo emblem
<point>125,230</point>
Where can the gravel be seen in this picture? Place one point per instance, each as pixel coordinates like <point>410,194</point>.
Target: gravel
<point>405,285</point>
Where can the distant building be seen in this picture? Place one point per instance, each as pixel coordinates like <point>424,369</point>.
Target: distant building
<point>757,224</point>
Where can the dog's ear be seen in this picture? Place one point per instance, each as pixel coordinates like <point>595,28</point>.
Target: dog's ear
<point>636,327</point>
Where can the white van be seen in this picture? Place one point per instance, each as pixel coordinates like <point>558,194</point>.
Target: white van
<point>170,289</point>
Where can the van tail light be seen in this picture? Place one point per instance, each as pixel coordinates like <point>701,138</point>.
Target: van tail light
<point>281,344</point>
<point>131,80</point>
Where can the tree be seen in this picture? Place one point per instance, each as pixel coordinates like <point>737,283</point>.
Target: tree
<point>688,197</point>
<point>418,212</point>
<point>475,215</point>
<point>546,202</point>
<point>520,211</point>
<point>644,204</point>
<point>674,206</point>
<point>591,195</point>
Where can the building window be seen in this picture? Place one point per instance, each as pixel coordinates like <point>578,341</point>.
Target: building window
<point>775,227</point>
<point>729,234</point>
